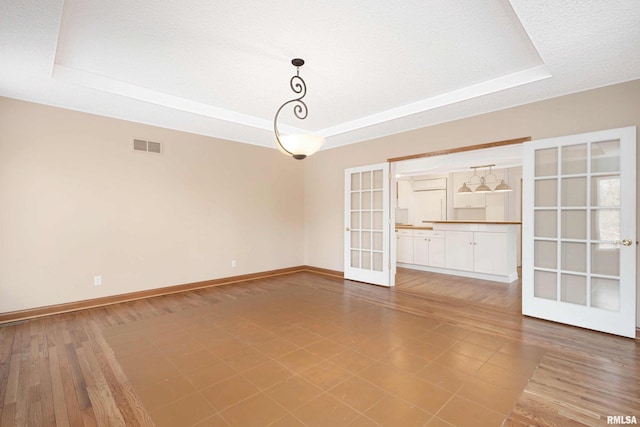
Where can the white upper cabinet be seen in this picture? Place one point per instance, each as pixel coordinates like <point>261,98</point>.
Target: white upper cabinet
<point>476,200</point>
<point>465,200</point>
<point>404,194</point>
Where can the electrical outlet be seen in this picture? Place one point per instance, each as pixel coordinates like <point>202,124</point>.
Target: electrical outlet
<point>97,280</point>
<point>234,264</point>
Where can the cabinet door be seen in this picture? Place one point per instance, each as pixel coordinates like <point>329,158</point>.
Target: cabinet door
<point>490,253</point>
<point>404,251</point>
<point>466,200</point>
<point>436,252</point>
<point>459,250</point>
<point>421,250</point>
<point>404,194</point>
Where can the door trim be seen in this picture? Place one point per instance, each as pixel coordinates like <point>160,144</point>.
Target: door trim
<point>461,149</point>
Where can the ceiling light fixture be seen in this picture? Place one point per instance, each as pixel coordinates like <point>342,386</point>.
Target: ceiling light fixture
<point>503,187</point>
<point>301,145</point>
<point>481,181</point>
<point>465,189</point>
<point>483,187</point>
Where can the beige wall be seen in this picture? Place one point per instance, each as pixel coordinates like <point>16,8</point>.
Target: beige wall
<point>603,108</point>
<point>77,201</point>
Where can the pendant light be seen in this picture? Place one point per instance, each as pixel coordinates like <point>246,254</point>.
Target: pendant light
<point>465,189</point>
<point>483,187</point>
<point>481,182</point>
<point>503,187</point>
<point>301,145</point>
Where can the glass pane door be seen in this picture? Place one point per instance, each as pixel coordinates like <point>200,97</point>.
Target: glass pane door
<point>366,224</point>
<point>578,230</point>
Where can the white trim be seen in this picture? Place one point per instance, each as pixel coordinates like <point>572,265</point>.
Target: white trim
<point>117,87</point>
<point>509,81</point>
<point>106,84</point>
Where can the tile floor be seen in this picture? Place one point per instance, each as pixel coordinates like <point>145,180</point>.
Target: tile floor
<point>307,357</point>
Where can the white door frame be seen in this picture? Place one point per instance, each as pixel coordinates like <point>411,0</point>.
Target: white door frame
<point>393,242</point>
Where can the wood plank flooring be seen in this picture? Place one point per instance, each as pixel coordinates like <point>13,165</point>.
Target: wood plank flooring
<point>584,376</point>
<point>61,370</point>
<point>507,296</point>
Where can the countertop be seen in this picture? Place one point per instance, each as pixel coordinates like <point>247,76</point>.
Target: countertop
<point>478,222</point>
<point>420,227</point>
<point>412,227</point>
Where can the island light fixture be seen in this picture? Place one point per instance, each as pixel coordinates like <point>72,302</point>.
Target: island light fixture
<point>481,181</point>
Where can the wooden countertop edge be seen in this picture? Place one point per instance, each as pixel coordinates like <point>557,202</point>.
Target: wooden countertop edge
<point>419,227</point>
<point>479,222</point>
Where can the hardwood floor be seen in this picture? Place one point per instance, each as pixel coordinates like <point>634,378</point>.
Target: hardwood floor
<point>506,296</point>
<point>91,367</point>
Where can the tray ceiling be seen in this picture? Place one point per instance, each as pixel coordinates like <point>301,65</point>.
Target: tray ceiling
<point>372,68</point>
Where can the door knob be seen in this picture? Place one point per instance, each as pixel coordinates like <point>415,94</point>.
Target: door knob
<point>626,242</point>
<point>348,229</point>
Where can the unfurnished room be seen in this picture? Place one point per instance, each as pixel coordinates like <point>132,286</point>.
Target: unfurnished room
<point>333,213</point>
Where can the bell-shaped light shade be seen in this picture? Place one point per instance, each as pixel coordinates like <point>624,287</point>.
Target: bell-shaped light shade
<point>483,187</point>
<point>464,189</point>
<point>301,145</point>
<point>503,187</point>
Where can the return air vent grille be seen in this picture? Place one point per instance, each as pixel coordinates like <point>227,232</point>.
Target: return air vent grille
<point>148,146</point>
<point>154,147</point>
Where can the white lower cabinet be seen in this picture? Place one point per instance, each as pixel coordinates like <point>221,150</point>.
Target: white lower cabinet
<point>486,249</point>
<point>480,250</point>
<point>437,252</point>
<point>490,253</point>
<point>404,246</point>
<point>428,248</point>
<point>459,250</point>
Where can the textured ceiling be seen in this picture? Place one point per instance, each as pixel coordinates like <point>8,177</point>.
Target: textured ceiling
<point>222,68</point>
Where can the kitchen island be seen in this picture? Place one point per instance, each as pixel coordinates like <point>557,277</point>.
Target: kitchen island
<point>478,249</point>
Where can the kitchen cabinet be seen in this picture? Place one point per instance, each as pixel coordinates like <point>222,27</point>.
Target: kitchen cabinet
<point>428,248</point>
<point>472,200</point>
<point>459,250</point>
<point>404,194</point>
<point>466,200</point>
<point>404,248</point>
<point>481,252</point>
<point>485,248</point>
<point>428,184</point>
<point>488,249</point>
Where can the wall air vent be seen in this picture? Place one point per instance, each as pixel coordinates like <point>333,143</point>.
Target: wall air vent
<point>148,146</point>
<point>139,145</point>
<point>154,147</point>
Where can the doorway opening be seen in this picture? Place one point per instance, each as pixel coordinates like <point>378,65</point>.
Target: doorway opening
<point>426,200</point>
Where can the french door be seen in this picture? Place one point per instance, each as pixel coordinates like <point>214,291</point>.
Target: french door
<point>579,230</point>
<point>367,229</point>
